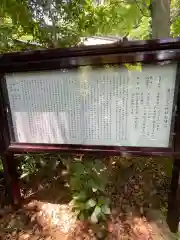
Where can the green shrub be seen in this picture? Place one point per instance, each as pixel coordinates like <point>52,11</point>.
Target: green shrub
<point>88,180</point>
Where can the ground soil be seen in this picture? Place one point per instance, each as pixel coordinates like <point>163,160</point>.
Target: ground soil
<point>138,189</point>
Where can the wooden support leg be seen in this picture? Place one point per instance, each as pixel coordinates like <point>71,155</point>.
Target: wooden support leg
<point>174,198</point>
<point>11,178</point>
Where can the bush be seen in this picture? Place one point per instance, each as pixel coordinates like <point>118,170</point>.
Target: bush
<point>88,180</point>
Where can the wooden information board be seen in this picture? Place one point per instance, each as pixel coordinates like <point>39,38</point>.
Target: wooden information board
<point>111,100</point>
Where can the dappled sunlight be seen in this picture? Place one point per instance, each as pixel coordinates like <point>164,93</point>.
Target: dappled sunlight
<point>138,190</point>
<point>39,220</point>
<point>60,216</point>
<point>130,225</point>
<point>133,225</point>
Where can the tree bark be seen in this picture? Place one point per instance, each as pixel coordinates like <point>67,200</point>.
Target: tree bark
<point>160,13</point>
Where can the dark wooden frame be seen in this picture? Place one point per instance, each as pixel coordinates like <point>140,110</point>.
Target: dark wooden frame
<point>153,51</point>
<point>129,52</point>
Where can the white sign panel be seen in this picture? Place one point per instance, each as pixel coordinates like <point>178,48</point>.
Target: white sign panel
<point>101,106</point>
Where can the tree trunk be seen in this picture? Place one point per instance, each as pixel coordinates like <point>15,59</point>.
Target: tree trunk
<point>160,13</point>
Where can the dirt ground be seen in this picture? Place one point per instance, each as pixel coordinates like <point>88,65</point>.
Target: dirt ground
<point>138,189</point>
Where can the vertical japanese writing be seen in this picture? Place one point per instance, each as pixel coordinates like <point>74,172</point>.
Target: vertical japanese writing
<point>102,106</point>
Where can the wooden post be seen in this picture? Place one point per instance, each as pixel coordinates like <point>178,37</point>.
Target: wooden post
<point>174,198</point>
<point>11,178</point>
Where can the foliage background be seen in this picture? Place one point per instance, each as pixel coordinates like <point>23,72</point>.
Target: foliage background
<point>29,24</point>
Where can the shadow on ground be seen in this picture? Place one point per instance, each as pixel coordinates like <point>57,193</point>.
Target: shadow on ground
<point>138,189</point>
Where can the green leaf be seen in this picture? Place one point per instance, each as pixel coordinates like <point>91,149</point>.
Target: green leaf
<point>81,196</point>
<point>106,210</point>
<point>78,168</point>
<point>103,201</point>
<point>92,183</point>
<point>94,189</point>
<point>97,210</point>
<point>74,182</point>
<point>81,217</point>
<point>96,214</point>
<point>94,218</point>
<point>96,183</point>
<point>90,203</point>
<point>79,205</point>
